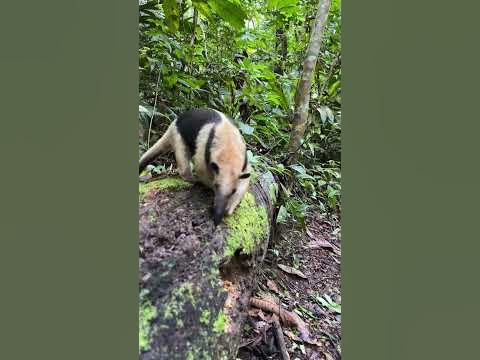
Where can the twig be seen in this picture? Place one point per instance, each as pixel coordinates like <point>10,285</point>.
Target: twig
<point>153,111</point>
<point>280,338</point>
<point>335,63</point>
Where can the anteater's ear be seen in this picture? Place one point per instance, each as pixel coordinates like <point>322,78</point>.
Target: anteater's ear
<point>244,176</point>
<point>214,167</point>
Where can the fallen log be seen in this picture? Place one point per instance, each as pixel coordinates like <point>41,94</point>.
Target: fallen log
<point>195,279</point>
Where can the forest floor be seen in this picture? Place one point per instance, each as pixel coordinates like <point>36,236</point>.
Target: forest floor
<point>316,297</point>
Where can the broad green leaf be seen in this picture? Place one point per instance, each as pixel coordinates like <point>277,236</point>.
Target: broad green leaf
<point>170,9</point>
<point>245,128</point>
<point>282,215</point>
<point>323,113</point>
<point>203,8</point>
<point>300,169</point>
<point>230,12</point>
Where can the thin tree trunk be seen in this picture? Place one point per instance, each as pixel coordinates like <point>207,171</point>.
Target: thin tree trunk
<point>195,19</point>
<point>281,47</point>
<point>334,65</point>
<point>302,96</point>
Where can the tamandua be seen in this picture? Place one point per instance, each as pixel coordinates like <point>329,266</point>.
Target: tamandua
<point>218,151</point>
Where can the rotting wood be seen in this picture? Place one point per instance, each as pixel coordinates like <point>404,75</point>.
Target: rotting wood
<point>197,278</point>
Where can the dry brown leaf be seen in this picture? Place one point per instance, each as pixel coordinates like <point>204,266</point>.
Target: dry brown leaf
<point>337,250</point>
<point>286,316</point>
<point>311,235</point>
<point>328,356</point>
<point>254,312</point>
<point>319,244</point>
<point>291,270</point>
<point>291,335</point>
<point>272,286</point>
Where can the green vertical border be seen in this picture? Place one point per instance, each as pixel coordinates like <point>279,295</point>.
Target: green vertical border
<point>410,180</point>
<point>68,138</point>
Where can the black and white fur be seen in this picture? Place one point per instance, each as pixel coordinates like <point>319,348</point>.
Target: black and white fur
<point>218,152</point>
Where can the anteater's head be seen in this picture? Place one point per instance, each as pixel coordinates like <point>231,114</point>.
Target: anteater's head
<point>230,170</point>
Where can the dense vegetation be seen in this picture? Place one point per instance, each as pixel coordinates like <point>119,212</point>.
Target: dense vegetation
<point>244,58</point>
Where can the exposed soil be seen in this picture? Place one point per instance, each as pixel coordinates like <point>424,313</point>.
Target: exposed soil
<point>322,269</point>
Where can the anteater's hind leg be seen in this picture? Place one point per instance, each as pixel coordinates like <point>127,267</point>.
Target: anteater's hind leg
<point>183,158</point>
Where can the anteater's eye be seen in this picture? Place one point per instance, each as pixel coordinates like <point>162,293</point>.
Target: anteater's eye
<point>233,192</point>
<point>214,167</point>
<point>244,176</point>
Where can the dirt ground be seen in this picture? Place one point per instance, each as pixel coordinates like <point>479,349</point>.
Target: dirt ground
<point>316,253</point>
<point>315,296</point>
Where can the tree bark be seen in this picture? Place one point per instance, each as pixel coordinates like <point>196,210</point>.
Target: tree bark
<point>197,277</point>
<point>281,47</point>
<point>302,95</point>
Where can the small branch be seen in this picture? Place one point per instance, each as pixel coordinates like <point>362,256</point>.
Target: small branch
<point>335,63</point>
<point>153,111</point>
<point>280,338</point>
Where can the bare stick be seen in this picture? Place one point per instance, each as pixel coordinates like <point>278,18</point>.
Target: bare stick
<point>280,339</point>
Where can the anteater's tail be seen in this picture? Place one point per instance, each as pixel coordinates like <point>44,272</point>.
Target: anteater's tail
<point>163,145</point>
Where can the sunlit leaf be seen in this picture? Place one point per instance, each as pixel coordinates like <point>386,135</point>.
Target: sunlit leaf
<point>170,8</point>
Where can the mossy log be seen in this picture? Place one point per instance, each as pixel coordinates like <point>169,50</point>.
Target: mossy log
<point>195,279</point>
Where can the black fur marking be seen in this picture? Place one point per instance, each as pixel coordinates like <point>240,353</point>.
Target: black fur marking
<point>208,146</point>
<point>191,122</point>
<point>245,162</point>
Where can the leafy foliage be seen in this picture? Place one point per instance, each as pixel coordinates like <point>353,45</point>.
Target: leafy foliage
<point>244,58</point>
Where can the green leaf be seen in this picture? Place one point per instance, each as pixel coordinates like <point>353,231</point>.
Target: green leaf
<point>282,215</point>
<point>300,169</point>
<point>245,128</point>
<point>203,8</point>
<point>286,7</point>
<point>230,12</point>
<point>329,303</point>
<point>170,8</point>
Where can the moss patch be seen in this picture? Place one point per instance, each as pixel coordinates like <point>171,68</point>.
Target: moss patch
<point>163,184</point>
<point>176,305</point>
<point>247,225</point>
<point>205,317</point>
<point>220,322</point>
<point>147,312</point>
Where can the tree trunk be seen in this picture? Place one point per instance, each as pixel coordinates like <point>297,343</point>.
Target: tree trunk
<point>281,47</point>
<point>302,96</point>
<point>195,279</point>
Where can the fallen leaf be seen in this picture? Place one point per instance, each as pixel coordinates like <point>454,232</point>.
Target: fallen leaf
<point>253,312</point>
<point>328,356</point>
<point>272,286</point>
<point>319,244</point>
<point>314,342</point>
<point>337,250</point>
<point>291,335</point>
<point>286,316</point>
<point>291,270</point>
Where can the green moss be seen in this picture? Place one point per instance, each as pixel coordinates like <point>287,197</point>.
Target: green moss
<point>196,354</point>
<point>205,317</point>
<point>163,184</point>
<point>147,312</point>
<point>248,224</point>
<point>176,304</point>
<point>220,322</point>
